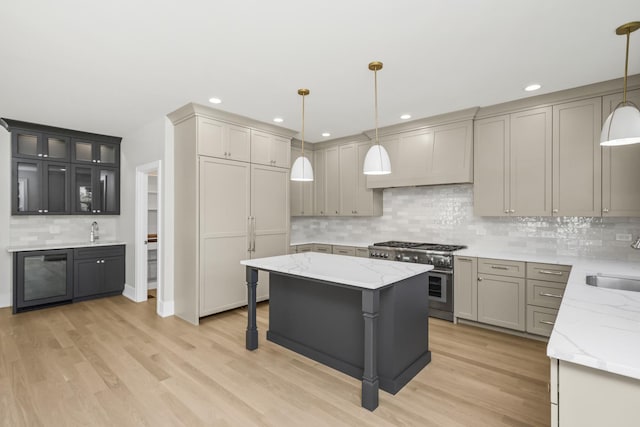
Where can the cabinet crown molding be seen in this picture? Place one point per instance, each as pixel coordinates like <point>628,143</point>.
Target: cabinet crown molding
<point>11,125</point>
<point>196,110</point>
<point>608,87</point>
<point>440,119</point>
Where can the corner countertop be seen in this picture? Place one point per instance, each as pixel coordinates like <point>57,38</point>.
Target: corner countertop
<point>366,273</point>
<point>39,246</point>
<point>595,327</point>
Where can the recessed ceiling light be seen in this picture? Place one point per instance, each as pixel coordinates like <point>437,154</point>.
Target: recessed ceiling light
<point>278,119</point>
<point>532,87</point>
<point>405,116</point>
<point>215,100</point>
<point>326,134</point>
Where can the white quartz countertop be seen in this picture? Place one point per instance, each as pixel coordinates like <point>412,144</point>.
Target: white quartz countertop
<point>40,246</point>
<point>595,327</point>
<point>367,273</point>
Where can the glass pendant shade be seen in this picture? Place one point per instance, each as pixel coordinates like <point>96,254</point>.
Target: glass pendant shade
<point>301,170</point>
<point>622,127</point>
<point>377,162</point>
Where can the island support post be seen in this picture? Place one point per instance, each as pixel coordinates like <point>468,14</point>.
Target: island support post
<point>252,329</point>
<point>370,383</point>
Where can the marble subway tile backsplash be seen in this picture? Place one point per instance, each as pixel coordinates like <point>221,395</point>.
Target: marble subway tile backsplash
<point>444,214</point>
<point>58,229</point>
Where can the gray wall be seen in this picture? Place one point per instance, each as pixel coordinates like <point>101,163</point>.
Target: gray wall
<point>444,214</point>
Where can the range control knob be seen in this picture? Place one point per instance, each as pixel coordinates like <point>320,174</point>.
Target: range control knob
<point>415,258</point>
<point>398,257</point>
<point>386,255</point>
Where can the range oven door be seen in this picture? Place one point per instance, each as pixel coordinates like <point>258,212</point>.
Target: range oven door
<point>441,294</point>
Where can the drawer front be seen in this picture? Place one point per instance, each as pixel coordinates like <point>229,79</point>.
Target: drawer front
<point>500,267</point>
<point>540,320</point>
<point>304,248</point>
<point>344,250</point>
<point>544,294</point>
<point>325,249</point>
<point>362,252</point>
<point>549,272</point>
<point>98,252</point>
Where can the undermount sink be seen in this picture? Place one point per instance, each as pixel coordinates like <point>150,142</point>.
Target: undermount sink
<point>615,282</point>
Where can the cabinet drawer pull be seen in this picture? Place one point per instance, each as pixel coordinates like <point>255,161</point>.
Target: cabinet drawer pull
<point>499,267</point>
<point>553,273</point>
<point>545,294</point>
<point>605,210</point>
<point>546,322</point>
<point>464,259</point>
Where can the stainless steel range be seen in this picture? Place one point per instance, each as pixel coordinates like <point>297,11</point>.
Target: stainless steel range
<point>440,278</point>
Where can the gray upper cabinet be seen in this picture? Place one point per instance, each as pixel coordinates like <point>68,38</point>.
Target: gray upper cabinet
<point>223,140</point>
<point>428,156</point>
<point>270,150</point>
<point>620,171</point>
<point>319,183</point>
<point>86,151</point>
<point>43,146</point>
<point>62,171</point>
<point>577,158</point>
<point>512,171</point>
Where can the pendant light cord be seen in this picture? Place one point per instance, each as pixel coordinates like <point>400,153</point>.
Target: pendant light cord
<point>375,82</point>
<point>303,126</point>
<point>626,68</point>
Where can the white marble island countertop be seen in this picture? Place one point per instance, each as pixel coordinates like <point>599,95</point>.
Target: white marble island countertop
<point>367,273</point>
<point>40,246</point>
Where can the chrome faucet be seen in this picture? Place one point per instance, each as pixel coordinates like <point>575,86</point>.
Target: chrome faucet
<point>636,244</point>
<point>93,236</point>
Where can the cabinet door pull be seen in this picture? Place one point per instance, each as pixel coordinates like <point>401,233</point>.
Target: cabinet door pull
<point>555,211</point>
<point>546,294</point>
<point>553,273</point>
<point>39,210</point>
<point>605,210</point>
<point>546,322</point>
<point>45,155</point>
<point>499,267</point>
<point>46,211</point>
<point>479,279</point>
<point>249,231</point>
<point>97,261</point>
<point>506,211</point>
<point>93,161</point>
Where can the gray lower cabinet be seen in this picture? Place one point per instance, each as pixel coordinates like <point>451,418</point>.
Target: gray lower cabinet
<point>98,272</point>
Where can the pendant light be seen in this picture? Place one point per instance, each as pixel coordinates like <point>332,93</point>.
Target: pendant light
<point>622,127</point>
<point>376,162</point>
<point>301,169</point>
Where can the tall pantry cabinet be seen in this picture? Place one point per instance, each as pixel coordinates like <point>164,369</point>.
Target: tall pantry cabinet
<point>231,203</point>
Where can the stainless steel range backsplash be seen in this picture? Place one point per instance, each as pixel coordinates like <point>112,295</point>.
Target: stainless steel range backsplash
<point>444,214</point>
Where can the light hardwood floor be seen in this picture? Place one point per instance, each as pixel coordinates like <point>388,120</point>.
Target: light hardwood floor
<point>114,362</point>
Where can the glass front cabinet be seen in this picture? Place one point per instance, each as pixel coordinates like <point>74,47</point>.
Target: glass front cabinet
<point>62,171</point>
<point>96,190</point>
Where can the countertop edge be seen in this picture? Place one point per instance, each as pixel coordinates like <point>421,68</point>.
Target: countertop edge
<point>62,245</point>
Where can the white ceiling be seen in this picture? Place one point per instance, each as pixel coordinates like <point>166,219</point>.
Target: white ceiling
<point>113,66</point>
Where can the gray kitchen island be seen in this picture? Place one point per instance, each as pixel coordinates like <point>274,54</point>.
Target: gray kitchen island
<point>364,317</point>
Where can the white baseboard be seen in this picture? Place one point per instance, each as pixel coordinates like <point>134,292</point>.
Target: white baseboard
<point>165,308</point>
<point>129,292</point>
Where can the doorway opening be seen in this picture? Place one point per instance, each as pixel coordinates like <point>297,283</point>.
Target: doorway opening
<point>148,239</point>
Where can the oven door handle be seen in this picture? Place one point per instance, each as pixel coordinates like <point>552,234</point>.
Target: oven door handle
<point>449,272</point>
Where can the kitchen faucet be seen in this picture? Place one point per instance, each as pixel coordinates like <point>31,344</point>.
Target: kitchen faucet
<point>636,244</point>
<point>93,236</point>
